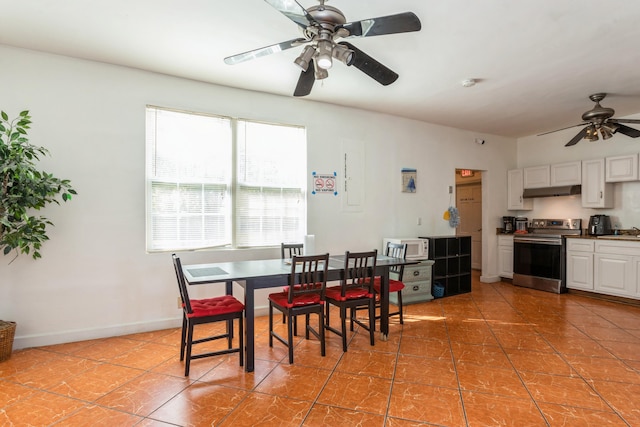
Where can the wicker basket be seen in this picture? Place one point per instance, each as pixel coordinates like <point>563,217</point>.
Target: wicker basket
<point>7,332</point>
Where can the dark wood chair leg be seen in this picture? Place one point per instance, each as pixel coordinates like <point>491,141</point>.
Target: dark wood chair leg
<point>183,342</point>
<point>187,364</point>
<point>290,337</point>
<point>271,325</point>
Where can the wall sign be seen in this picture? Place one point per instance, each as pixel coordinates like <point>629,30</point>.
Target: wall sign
<point>324,183</point>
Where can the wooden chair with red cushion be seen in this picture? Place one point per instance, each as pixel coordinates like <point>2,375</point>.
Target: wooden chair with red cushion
<point>355,291</point>
<point>225,308</point>
<point>288,250</point>
<point>304,295</point>
<point>396,250</point>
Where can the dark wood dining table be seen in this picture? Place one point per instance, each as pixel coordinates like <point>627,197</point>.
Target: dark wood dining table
<point>273,273</point>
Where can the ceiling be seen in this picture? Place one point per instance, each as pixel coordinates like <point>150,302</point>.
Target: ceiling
<point>535,62</point>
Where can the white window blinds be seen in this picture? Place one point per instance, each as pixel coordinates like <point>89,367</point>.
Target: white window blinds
<point>198,197</point>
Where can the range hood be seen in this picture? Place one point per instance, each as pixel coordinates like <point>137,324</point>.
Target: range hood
<point>565,190</point>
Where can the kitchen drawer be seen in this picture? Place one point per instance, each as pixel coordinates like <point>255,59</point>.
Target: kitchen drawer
<point>618,247</point>
<point>582,245</point>
<point>413,292</point>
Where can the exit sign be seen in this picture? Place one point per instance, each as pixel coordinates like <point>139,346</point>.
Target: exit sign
<point>466,173</point>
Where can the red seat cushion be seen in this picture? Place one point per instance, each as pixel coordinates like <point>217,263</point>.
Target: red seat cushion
<point>215,306</point>
<point>282,299</point>
<point>334,292</point>
<point>394,285</point>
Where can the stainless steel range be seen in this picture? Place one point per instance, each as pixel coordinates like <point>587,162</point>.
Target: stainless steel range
<point>539,255</point>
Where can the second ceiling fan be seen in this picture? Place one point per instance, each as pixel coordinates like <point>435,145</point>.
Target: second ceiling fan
<point>600,120</point>
<point>321,27</point>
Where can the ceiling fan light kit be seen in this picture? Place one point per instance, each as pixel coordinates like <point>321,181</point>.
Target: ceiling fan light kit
<point>321,27</point>
<point>600,120</point>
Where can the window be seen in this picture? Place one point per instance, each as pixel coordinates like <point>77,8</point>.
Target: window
<point>216,181</point>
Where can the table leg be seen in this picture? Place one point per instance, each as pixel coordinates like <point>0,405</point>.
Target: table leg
<point>249,327</point>
<point>384,305</point>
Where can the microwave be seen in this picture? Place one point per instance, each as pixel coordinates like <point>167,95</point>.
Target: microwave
<point>417,249</point>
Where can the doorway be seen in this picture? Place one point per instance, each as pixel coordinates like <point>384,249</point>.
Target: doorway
<point>469,204</point>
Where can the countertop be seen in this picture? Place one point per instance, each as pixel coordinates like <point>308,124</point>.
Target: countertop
<point>623,237</point>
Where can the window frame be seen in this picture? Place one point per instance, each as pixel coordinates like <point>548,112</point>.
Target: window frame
<point>233,185</point>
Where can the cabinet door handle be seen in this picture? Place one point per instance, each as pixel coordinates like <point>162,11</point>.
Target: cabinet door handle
<point>601,194</point>
<point>416,288</point>
<point>416,273</point>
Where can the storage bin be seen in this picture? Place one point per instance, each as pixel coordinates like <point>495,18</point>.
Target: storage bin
<point>438,290</point>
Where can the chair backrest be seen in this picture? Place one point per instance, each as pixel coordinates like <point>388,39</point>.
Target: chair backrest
<point>397,250</point>
<point>359,270</point>
<point>288,250</point>
<point>182,284</point>
<point>308,275</point>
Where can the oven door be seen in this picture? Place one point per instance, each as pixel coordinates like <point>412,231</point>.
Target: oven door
<point>538,263</point>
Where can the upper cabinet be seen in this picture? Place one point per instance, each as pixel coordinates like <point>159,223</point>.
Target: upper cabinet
<point>569,173</point>
<point>622,168</point>
<point>537,177</point>
<point>557,175</point>
<point>515,201</point>
<point>595,192</point>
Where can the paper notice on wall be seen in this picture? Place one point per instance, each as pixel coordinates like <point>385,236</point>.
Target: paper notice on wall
<point>324,183</point>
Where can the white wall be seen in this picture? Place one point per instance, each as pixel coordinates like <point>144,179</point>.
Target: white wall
<point>95,278</point>
<point>548,149</point>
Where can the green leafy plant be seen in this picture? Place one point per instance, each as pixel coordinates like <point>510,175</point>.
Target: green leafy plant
<point>23,189</point>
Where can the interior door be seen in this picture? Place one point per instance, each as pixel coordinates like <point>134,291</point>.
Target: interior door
<point>469,204</point>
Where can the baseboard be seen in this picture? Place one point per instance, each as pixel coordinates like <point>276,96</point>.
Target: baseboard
<point>39,340</point>
<point>489,279</point>
<point>605,297</point>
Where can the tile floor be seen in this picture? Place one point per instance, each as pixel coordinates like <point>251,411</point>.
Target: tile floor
<point>501,355</point>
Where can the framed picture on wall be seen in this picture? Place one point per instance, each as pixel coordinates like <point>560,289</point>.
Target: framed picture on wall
<point>409,180</point>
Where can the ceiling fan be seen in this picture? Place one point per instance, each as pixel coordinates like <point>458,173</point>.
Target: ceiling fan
<point>600,119</point>
<point>321,27</point>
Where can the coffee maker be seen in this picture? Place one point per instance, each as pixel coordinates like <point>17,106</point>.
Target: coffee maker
<point>508,224</point>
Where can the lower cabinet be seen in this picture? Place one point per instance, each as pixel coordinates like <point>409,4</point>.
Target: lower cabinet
<point>580,264</point>
<point>417,284</point>
<point>505,256</point>
<point>609,267</point>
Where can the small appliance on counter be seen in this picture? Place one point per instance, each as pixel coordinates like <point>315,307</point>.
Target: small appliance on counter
<point>599,225</point>
<point>508,224</point>
<point>522,224</point>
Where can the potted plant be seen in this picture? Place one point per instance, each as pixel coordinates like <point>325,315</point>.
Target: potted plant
<point>23,190</point>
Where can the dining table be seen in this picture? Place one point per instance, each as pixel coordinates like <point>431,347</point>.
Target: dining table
<point>273,273</point>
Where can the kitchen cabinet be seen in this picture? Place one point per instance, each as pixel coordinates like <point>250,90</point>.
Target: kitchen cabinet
<point>505,256</point>
<point>596,193</point>
<point>569,173</point>
<point>515,187</point>
<point>579,264</point>
<point>537,176</point>
<point>605,266</point>
<point>621,168</point>
<point>452,263</point>
<point>417,283</point>
<point>615,268</point>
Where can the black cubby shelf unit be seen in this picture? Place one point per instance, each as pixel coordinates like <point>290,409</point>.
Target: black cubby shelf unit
<point>452,263</point>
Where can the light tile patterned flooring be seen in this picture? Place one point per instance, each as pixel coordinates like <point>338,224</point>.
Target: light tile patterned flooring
<point>501,355</point>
